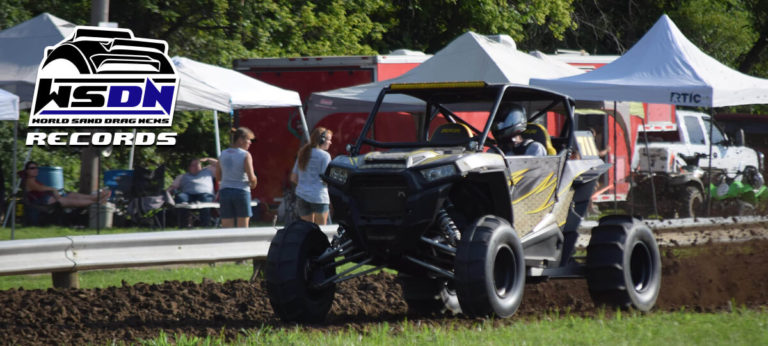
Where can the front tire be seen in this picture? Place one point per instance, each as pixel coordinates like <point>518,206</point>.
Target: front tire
<point>623,264</point>
<point>291,274</point>
<point>490,269</point>
<point>692,204</point>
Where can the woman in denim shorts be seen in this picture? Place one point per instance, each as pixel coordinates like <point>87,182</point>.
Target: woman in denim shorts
<point>312,202</point>
<point>236,177</point>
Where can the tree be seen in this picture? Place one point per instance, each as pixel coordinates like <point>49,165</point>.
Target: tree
<point>429,25</point>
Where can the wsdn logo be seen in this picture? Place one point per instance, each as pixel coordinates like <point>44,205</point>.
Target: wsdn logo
<point>102,77</point>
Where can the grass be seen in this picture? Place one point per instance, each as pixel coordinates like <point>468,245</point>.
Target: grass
<point>221,272</point>
<point>55,231</point>
<point>742,327</point>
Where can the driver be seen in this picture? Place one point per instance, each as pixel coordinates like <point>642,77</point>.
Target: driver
<point>507,132</point>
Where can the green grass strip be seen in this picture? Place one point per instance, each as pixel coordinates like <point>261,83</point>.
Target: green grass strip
<point>742,327</point>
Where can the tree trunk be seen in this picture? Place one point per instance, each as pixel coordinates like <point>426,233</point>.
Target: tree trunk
<point>753,56</point>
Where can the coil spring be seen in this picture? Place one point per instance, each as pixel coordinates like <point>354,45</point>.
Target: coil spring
<point>450,231</point>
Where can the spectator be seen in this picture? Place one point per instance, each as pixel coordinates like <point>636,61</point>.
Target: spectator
<point>196,186</point>
<point>235,173</point>
<point>312,200</point>
<point>39,193</point>
<point>508,130</point>
<point>602,151</point>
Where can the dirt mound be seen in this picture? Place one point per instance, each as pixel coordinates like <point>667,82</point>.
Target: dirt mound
<point>706,278</point>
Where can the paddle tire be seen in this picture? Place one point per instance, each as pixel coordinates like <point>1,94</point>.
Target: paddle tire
<point>623,266</point>
<point>490,269</point>
<point>291,272</point>
<point>427,296</point>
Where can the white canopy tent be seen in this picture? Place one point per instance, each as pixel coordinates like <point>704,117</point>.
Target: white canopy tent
<point>470,57</point>
<point>664,67</point>
<point>9,110</point>
<point>205,86</point>
<point>21,50</point>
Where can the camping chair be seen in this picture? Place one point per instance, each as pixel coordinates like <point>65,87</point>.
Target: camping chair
<point>145,199</point>
<point>37,214</point>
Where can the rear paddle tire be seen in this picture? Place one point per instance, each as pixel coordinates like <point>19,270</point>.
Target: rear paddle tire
<point>623,264</point>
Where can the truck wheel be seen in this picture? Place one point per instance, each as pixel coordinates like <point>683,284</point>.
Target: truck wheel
<point>428,296</point>
<point>490,269</point>
<point>623,264</point>
<point>692,203</point>
<point>291,273</point>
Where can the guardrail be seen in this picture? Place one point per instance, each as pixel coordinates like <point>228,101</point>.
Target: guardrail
<point>65,256</point>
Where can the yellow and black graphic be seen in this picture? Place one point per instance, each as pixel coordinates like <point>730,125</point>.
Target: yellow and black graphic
<point>535,184</point>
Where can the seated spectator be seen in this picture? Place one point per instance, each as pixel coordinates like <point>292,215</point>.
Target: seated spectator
<point>38,193</point>
<point>196,186</point>
<point>508,133</point>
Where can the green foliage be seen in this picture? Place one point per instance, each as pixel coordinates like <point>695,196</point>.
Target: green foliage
<point>719,28</point>
<point>431,24</point>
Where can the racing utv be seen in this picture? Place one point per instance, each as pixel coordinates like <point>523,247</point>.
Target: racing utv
<point>428,191</point>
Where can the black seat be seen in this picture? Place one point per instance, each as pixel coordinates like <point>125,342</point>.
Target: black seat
<point>451,134</point>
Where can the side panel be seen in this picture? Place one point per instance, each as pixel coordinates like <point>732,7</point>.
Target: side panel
<point>535,181</point>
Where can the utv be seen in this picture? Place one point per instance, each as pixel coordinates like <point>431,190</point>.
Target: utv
<point>463,224</point>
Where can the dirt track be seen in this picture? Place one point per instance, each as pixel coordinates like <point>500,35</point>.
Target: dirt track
<point>705,281</point>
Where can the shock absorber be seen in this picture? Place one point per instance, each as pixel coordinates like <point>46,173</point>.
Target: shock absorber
<point>450,231</point>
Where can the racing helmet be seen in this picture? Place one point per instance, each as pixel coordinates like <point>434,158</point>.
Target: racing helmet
<point>514,123</point>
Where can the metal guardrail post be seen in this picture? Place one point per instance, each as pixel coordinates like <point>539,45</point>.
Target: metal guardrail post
<point>65,280</point>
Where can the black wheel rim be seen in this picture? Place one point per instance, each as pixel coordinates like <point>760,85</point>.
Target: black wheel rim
<point>504,271</point>
<point>641,266</point>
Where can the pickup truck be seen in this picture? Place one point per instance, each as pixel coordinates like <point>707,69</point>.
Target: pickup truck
<point>676,159</point>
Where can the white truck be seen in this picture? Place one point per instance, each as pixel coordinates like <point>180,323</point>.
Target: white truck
<point>679,157</point>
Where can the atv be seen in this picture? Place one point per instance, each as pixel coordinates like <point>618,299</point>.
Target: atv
<point>465,225</point>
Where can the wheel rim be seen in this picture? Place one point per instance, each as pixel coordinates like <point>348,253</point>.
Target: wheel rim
<point>641,265</point>
<point>504,271</point>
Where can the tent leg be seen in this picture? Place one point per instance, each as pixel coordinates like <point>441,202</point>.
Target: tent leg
<point>650,171</point>
<point>13,179</point>
<point>133,150</point>
<point>304,123</point>
<point>216,132</point>
<point>615,159</point>
<point>15,183</point>
<point>709,169</point>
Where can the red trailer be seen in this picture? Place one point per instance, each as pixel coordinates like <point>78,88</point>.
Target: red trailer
<point>277,130</point>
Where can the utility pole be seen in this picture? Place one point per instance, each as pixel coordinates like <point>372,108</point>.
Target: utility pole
<point>89,179</point>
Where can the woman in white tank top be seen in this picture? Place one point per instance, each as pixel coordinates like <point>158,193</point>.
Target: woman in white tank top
<point>236,180</point>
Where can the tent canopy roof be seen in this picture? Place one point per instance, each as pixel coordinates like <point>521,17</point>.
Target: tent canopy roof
<point>664,67</point>
<point>470,57</point>
<point>21,51</point>
<point>241,90</point>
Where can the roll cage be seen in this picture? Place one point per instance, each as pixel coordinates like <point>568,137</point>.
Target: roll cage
<point>437,98</point>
